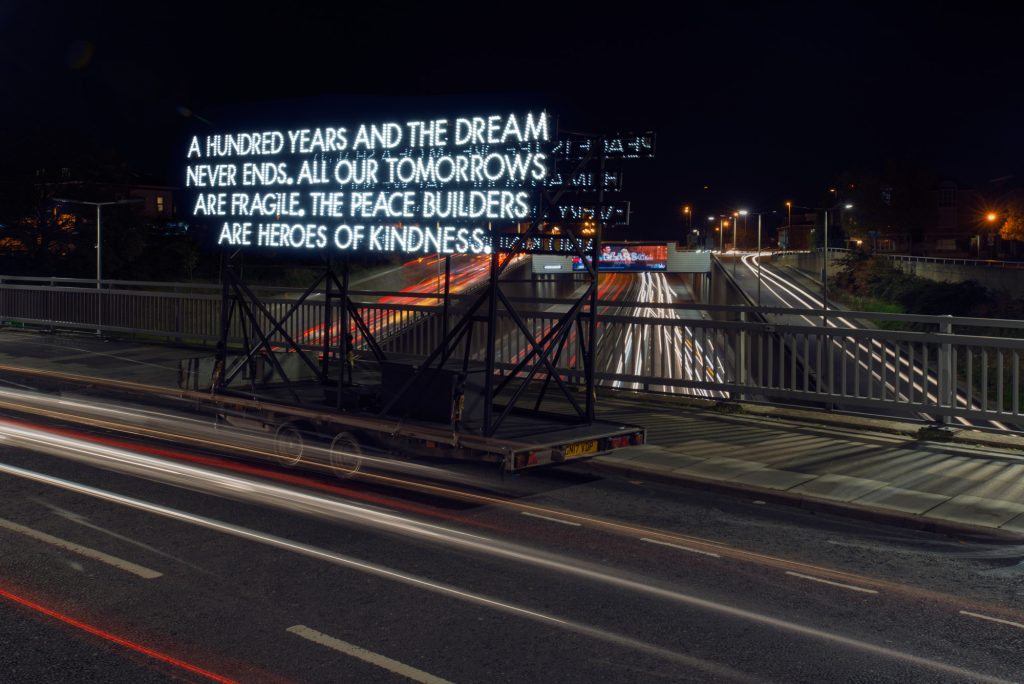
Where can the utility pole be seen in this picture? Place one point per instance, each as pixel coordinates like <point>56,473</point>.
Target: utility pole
<point>99,247</point>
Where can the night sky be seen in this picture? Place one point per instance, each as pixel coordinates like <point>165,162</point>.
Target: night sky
<point>760,105</point>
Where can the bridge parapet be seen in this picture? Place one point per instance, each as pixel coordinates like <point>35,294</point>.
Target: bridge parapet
<point>930,366</point>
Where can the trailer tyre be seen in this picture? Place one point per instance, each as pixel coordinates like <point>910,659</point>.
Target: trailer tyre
<point>289,444</point>
<point>346,455</point>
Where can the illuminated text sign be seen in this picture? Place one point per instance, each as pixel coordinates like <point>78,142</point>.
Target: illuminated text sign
<point>415,187</point>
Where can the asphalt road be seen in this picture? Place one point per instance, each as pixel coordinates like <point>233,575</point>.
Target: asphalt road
<point>251,572</point>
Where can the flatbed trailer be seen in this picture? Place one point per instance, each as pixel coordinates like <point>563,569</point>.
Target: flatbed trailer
<point>526,439</point>
<point>530,441</point>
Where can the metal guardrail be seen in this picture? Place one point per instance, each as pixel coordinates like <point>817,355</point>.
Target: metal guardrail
<point>980,263</point>
<point>183,313</point>
<point>933,367</point>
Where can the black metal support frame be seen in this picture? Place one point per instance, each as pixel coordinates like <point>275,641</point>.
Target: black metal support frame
<point>238,300</point>
<point>542,355</point>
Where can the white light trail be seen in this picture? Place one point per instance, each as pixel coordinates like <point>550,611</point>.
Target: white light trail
<point>808,300</point>
<point>279,496</point>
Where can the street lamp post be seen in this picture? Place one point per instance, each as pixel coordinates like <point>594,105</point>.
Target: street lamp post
<point>990,239</point>
<point>824,262</point>
<point>789,222</point>
<point>735,241</point>
<point>759,215</point>
<point>99,245</point>
<point>759,258</point>
<point>824,254</point>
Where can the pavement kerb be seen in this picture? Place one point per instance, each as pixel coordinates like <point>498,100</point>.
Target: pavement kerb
<point>818,418</point>
<point>806,502</point>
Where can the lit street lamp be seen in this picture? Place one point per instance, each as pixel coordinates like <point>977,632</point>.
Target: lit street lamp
<point>991,218</point>
<point>735,240</point>
<point>824,260</point>
<point>824,252</point>
<point>99,243</point>
<point>759,214</point>
<point>789,222</point>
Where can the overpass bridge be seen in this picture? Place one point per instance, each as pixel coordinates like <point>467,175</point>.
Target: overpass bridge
<point>653,337</point>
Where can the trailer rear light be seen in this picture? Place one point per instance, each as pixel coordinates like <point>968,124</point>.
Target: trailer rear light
<point>528,459</point>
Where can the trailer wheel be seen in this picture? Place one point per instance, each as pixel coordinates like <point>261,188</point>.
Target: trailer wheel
<point>346,455</point>
<point>288,444</point>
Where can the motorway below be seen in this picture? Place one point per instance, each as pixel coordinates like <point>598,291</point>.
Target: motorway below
<point>766,284</point>
<point>189,566</point>
<point>638,348</point>
<point>655,350</point>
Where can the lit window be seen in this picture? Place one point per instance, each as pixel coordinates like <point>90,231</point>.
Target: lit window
<point>160,204</point>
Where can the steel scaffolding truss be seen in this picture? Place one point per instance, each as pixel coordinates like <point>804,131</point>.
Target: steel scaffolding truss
<point>258,326</point>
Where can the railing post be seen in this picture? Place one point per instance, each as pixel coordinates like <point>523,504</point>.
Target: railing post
<point>947,383</point>
<point>741,358</point>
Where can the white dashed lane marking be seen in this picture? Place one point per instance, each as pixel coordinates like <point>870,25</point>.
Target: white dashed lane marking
<point>992,619</point>
<point>831,583</point>
<point>114,561</point>
<point>556,520</point>
<point>680,547</point>
<point>366,656</point>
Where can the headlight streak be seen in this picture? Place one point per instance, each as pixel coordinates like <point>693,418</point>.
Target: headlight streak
<point>103,634</point>
<point>178,429</point>
<point>654,288</point>
<point>248,469</point>
<point>382,572</point>
<point>84,522</point>
<point>809,301</point>
<point>202,479</point>
<point>279,497</point>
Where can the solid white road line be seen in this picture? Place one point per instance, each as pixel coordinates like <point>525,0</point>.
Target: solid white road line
<point>992,619</point>
<point>680,547</point>
<point>119,563</point>
<point>544,517</point>
<point>834,584</point>
<point>366,656</point>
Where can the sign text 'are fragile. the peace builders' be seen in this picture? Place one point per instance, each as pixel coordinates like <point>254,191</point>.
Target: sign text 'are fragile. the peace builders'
<point>420,186</point>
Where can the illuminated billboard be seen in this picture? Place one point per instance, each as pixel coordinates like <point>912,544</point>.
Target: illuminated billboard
<point>412,187</point>
<point>620,256</point>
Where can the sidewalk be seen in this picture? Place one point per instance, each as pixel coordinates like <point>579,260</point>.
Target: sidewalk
<point>863,467</point>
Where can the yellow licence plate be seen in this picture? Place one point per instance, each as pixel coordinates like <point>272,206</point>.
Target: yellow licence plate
<point>581,448</point>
